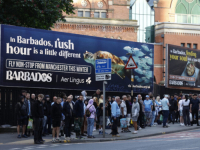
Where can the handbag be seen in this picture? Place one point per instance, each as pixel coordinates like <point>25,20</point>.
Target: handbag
<point>77,127</point>
<point>30,124</point>
<point>108,122</point>
<point>123,123</point>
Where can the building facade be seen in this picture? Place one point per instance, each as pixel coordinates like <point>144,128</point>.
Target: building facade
<point>177,23</point>
<point>108,19</point>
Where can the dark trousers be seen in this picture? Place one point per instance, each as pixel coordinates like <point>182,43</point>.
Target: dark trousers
<point>195,112</point>
<point>114,126</point>
<point>141,119</point>
<point>165,116</point>
<point>27,126</point>
<point>38,126</point>
<point>177,115</point>
<point>172,116</point>
<point>68,124</point>
<point>49,122</point>
<point>186,115</point>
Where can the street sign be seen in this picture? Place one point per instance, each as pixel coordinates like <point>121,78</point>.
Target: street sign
<point>103,77</point>
<point>131,64</point>
<point>103,66</point>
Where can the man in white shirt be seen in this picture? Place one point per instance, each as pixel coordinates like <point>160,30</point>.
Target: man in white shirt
<point>180,109</point>
<point>165,110</point>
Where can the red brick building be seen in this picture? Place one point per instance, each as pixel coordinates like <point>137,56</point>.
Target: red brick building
<point>108,19</point>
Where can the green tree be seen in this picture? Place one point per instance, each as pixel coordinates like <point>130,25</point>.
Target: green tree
<point>40,14</point>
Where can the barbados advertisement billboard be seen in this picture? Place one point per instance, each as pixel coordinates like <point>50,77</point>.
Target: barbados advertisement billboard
<point>183,67</point>
<point>47,59</point>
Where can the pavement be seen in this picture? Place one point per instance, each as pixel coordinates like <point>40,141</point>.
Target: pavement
<point>185,140</point>
<point>11,138</point>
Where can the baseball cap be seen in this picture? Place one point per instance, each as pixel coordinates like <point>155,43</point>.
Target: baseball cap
<point>147,95</point>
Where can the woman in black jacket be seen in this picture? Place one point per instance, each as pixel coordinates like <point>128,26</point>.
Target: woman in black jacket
<point>56,114</point>
<point>21,112</point>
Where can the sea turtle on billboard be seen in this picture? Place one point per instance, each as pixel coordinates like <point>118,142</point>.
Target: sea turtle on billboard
<point>118,65</point>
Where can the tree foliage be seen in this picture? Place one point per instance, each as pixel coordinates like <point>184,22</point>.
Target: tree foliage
<point>40,14</point>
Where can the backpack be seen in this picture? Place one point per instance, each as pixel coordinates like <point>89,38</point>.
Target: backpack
<point>88,113</point>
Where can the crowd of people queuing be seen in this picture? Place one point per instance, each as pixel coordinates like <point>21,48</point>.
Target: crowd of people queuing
<point>65,114</point>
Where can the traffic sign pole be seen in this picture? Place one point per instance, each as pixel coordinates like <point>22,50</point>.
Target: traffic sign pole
<point>132,79</point>
<point>104,113</point>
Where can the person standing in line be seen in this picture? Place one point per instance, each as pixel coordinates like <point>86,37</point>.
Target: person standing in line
<point>49,120</point>
<point>101,99</point>
<point>180,109</point>
<point>128,105</point>
<point>38,120</point>
<point>115,110</point>
<point>90,119</point>
<point>135,114</point>
<point>165,110</point>
<point>84,123</point>
<point>79,116</point>
<point>159,108</point>
<point>195,108</point>
<point>172,109</point>
<point>54,100</point>
<point>101,115</point>
<point>148,105</point>
<point>56,115</point>
<point>141,113</point>
<point>97,95</point>
<point>21,112</point>
<point>155,104</point>
<point>45,108</point>
<point>123,109</point>
<point>109,107</point>
<point>95,105</point>
<point>186,110</point>
<point>32,100</point>
<point>24,94</point>
<point>68,108</point>
<point>28,103</point>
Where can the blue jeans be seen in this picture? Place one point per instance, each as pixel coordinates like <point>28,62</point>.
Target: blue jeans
<point>90,125</point>
<point>165,116</point>
<point>153,118</point>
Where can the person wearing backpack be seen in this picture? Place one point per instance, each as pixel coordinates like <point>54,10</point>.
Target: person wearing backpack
<point>90,114</point>
<point>21,112</point>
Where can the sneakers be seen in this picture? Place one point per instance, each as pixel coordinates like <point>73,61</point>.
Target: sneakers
<point>94,130</point>
<point>140,128</point>
<point>19,136</point>
<point>182,124</point>
<point>135,132</point>
<point>24,136</point>
<point>53,141</point>
<point>58,139</point>
<point>67,138</point>
<point>153,125</point>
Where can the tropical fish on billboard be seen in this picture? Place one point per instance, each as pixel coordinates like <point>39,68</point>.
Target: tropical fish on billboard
<point>118,65</point>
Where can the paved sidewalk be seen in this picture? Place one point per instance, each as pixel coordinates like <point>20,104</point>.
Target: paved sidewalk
<point>11,138</point>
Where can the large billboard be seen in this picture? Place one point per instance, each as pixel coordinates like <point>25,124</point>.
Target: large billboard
<point>47,59</point>
<point>183,66</point>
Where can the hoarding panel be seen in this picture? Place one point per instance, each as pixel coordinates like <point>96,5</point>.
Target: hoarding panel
<point>48,59</point>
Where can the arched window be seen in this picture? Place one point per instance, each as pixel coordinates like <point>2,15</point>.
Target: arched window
<point>188,11</point>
